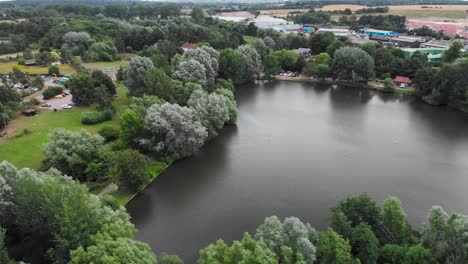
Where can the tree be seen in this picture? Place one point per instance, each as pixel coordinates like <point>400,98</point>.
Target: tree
<point>269,42</point>
<point>169,259</point>
<point>102,79</point>
<point>272,65</point>
<point>70,152</point>
<point>208,57</point>
<point>190,71</point>
<point>231,104</point>
<point>320,42</point>
<point>357,209</point>
<point>103,98</point>
<point>120,251</point>
<point>322,58</point>
<point>334,46</point>
<point>81,87</point>
<point>37,81</point>
<point>252,60</point>
<point>232,65</point>
<point>3,253</point>
<point>260,46</point>
<point>136,75</point>
<point>131,169</point>
<point>210,109</point>
<point>332,248</point>
<point>251,29</point>
<point>131,123</point>
<point>395,221</point>
<point>101,51</point>
<point>287,59</point>
<point>353,64</point>
<point>289,239</point>
<point>161,61</point>
<point>54,70</point>
<point>245,251</point>
<point>76,41</point>
<point>388,85</point>
<point>8,179</point>
<point>322,71</point>
<point>453,53</point>
<point>364,244</point>
<point>393,254</point>
<point>159,84</point>
<point>198,14</point>
<point>418,255</point>
<point>443,234</point>
<point>383,61</point>
<point>370,48</point>
<point>173,130</point>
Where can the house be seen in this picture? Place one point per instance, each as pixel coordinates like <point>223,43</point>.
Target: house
<point>30,62</point>
<point>188,46</point>
<point>402,82</point>
<point>304,52</point>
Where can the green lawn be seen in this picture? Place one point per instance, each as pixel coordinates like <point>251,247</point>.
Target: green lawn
<point>104,64</point>
<point>26,151</point>
<point>6,67</point>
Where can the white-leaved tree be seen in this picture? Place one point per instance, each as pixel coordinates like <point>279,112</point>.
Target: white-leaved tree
<point>253,60</point>
<point>211,109</point>
<point>173,130</point>
<point>208,57</point>
<point>292,234</point>
<point>77,41</point>
<point>8,179</point>
<point>446,235</point>
<point>137,69</point>
<point>190,71</point>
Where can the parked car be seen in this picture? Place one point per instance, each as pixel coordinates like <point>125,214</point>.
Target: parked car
<point>65,106</point>
<point>46,105</point>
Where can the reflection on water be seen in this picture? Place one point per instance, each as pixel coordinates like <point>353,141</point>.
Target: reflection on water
<point>296,150</point>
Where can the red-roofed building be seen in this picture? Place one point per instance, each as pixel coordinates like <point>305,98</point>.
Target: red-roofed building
<point>188,46</point>
<point>402,81</point>
<point>449,28</point>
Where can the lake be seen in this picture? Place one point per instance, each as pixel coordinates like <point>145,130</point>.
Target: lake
<point>297,149</point>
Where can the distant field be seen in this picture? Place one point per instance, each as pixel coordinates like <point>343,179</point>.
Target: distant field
<point>26,151</point>
<point>413,11</point>
<point>282,12</point>
<point>6,67</point>
<point>341,7</point>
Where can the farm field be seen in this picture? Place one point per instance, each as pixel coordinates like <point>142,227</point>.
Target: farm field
<point>6,67</point>
<point>456,12</point>
<point>282,12</point>
<point>25,150</point>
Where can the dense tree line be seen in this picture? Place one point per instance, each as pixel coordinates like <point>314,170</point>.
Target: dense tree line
<point>361,231</point>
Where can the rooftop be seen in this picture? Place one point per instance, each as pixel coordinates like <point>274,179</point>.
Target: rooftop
<point>402,79</point>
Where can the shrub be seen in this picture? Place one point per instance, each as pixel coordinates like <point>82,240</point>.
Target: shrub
<point>95,117</point>
<point>388,84</point>
<point>52,91</point>
<point>109,133</point>
<point>33,101</point>
<point>156,168</point>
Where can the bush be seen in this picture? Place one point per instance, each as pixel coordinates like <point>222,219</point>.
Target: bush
<point>109,133</point>
<point>54,70</point>
<point>95,117</point>
<point>388,85</point>
<point>33,101</point>
<point>156,168</point>
<point>52,91</point>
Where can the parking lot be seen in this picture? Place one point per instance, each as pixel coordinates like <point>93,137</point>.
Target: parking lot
<point>56,103</point>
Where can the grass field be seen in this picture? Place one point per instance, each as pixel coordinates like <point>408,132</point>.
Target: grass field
<point>6,67</point>
<point>26,151</point>
<point>103,64</point>
<point>283,12</point>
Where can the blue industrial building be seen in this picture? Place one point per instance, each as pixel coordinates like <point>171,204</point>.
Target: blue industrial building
<point>381,33</point>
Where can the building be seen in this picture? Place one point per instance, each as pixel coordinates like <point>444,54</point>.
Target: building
<point>30,62</point>
<point>440,44</point>
<point>433,54</point>
<point>357,41</point>
<point>188,46</point>
<point>304,52</point>
<point>308,28</point>
<point>448,28</point>
<point>338,32</point>
<point>289,28</point>
<point>402,82</point>
<point>380,33</point>
<point>407,41</point>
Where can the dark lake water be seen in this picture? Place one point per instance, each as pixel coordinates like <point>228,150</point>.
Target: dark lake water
<point>296,150</point>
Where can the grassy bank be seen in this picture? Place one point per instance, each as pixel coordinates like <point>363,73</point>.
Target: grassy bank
<point>25,150</point>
